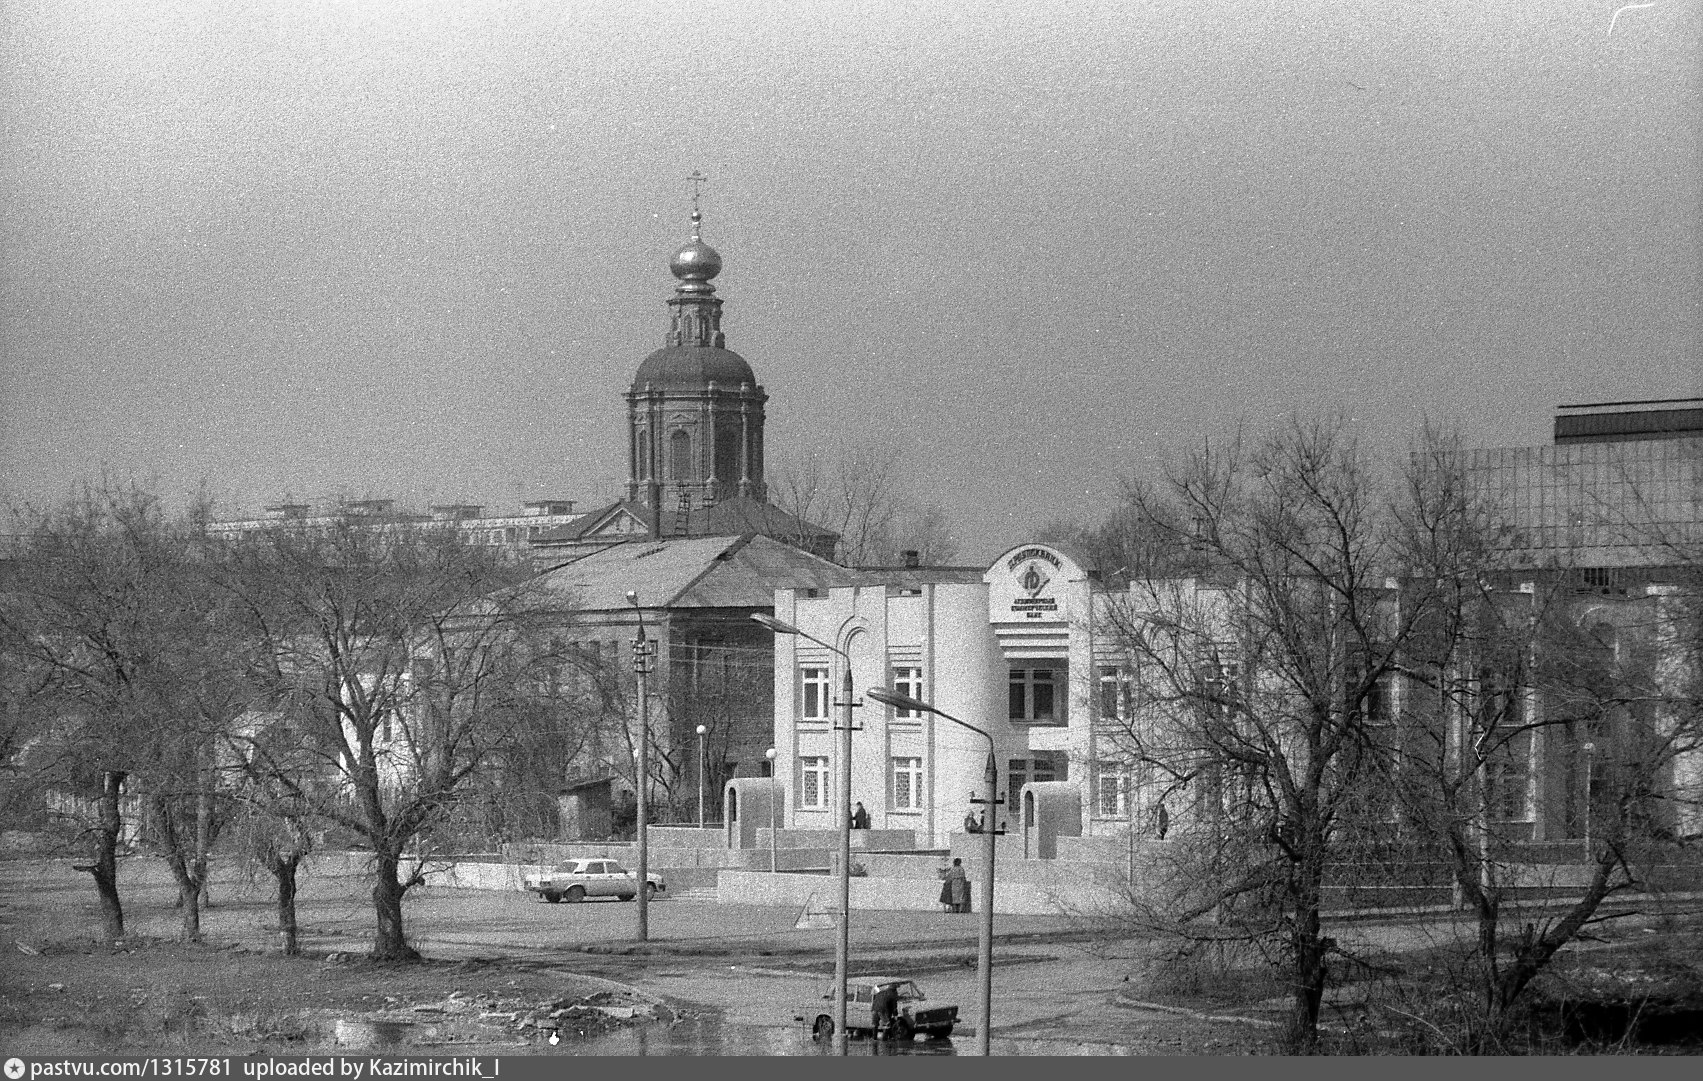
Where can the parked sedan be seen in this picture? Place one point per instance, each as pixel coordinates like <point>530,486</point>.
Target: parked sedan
<point>913,1014</point>
<point>576,880</point>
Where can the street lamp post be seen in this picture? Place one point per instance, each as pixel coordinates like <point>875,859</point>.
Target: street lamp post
<point>643,650</point>
<point>770,755</point>
<point>984,958</point>
<point>702,731</point>
<point>842,946</point>
<point>1590,763</point>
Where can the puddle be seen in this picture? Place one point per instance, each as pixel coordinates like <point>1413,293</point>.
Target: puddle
<point>710,1037</point>
<point>371,1035</point>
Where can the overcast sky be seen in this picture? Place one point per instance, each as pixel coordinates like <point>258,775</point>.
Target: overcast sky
<point>417,250</point>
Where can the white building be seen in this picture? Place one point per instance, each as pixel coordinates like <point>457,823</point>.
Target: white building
<point>1030,651</point>
<point>1010,650</point>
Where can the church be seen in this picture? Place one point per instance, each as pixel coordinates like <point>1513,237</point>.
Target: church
<point>689,555</point>
<point>694,434</point>
<point>692,550</point>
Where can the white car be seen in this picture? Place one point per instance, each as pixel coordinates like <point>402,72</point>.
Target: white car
<point>576,880</point>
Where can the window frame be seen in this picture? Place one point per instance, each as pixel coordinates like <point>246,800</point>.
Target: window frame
<point>1116,687</point>
<point>818,679</point>
<point>907,680</point>
<point>1123,778</point>
<point>813,766</point>
<point>912,770</point>
<point>1057,684</point>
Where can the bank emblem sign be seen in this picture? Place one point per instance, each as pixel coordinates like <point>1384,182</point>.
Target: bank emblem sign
<point>1034,580</point>
<point>1034,569</point>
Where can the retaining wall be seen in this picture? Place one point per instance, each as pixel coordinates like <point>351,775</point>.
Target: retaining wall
<point>877,840</point>
<point>892,894</point>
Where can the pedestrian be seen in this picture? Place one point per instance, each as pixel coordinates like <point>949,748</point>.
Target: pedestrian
<point>957,889</point>
<point>860,818</point>
<point>1164,822</point>
<point>970,823</point>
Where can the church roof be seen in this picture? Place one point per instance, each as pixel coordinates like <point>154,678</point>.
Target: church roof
<point>741,514</point>
<point>692,572</point>
<point>693,366</point>
<point>623,521</point>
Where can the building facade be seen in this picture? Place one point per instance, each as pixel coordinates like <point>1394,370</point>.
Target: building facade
<point>1009,649</point>
<point>1034,651</point>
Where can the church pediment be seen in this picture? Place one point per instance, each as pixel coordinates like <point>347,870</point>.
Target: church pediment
<point>621,522</point>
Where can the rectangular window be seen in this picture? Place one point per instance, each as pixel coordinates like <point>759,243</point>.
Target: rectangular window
<point>813,783</point>
<point>1507,779</point>
<point>907,784</point>
<point>1034,696</point>
<point>1220,674</point>
<point>907,681</point>
<point>1114,694</point>
<point>1117,786</point>
<point>816,699</point>
<point>1016,776</point>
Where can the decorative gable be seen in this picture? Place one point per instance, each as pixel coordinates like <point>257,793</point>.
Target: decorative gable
<point>622,523</point>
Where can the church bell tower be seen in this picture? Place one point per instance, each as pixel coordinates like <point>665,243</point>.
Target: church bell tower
<point>695,410</point>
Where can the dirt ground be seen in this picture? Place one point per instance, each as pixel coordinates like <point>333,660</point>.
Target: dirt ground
<point>504,974</point>
<point>508,975</point>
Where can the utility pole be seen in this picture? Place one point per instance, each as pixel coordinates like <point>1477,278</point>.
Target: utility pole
<point>842,942</point>
<point>643,651</point>
<point>702,731</point>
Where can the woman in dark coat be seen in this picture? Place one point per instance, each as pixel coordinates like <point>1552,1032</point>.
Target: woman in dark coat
<point>955,892</point>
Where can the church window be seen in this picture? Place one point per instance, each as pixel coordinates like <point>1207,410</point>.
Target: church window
<point>680,454</point>
<point>727,453</point>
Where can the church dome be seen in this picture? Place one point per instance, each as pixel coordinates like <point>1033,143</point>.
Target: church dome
<point>697,261</point>
<point>693,366</point>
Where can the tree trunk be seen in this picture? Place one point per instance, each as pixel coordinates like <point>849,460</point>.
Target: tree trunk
<point>105,867</point>
<point>283,868</point>
<point>183,865</point>
<point>1308,971</point>
<point>204,831</point>
<point>390,944</point>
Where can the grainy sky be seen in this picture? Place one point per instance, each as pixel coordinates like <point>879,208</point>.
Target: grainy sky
<point>418,249</point>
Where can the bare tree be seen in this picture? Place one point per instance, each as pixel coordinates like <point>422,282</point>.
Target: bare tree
<point>408,655</point>
<point>106,609</point>
<point>1256,686</point>
<point>720,685</point>
<point>860,496</point>
<point>1518,671</point>
<point>1126,547</point>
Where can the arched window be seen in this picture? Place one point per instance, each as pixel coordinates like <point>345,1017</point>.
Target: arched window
<point>680,455</point>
